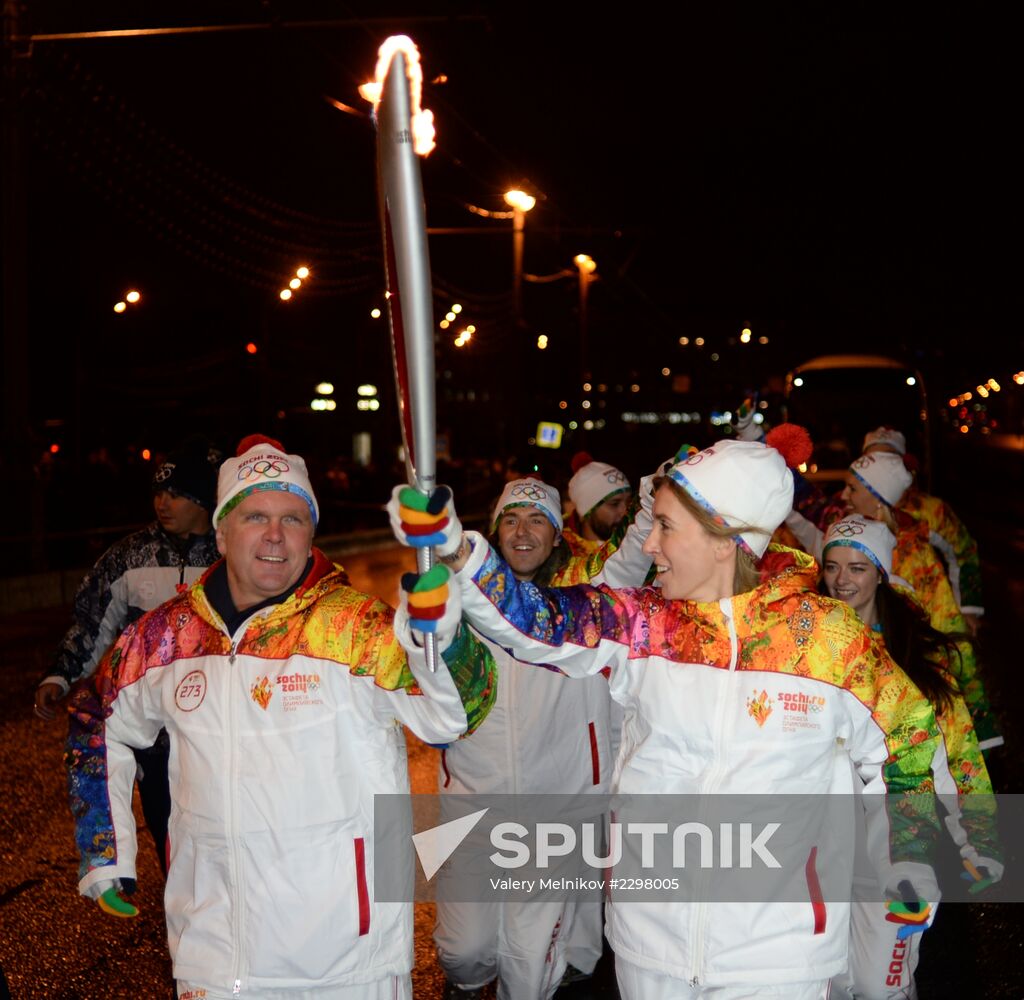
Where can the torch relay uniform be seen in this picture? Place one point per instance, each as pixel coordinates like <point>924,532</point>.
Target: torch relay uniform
<point>701,685</point>
<point>283,727</point>
<point>881,964</point>
<point>915,561</point>
<point>543,735</point>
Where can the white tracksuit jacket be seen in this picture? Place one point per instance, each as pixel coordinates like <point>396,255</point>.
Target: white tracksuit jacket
<point>280,737</point>
<point>706,690</point>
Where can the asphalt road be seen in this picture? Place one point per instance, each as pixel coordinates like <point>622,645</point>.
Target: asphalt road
<point>54,944</point>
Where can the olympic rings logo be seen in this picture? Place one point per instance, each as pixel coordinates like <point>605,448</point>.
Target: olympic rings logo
<point>615,477</point>
<point>164,472</point>
<point>847,529</point>
<point>529,491</point>
<point>266,468</point>
<point>699,457</point>
<point>863,462</point>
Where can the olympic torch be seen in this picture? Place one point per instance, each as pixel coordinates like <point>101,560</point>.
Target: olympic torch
<point>403,131</point>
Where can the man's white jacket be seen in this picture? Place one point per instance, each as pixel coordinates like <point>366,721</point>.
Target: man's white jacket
<point>281,735</point>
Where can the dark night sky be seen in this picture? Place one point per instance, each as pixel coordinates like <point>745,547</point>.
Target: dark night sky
<point>839,184</point>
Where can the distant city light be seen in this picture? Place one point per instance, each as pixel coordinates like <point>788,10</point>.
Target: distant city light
<point>375,314</point>
<point>285,294</point>
<point>302,272</point>
<point>798,381</point>
<point>911,380</point>
<point>456,308</point>
<point>132,297</point>
<point>666,371</point>
<point>762,340</point>
<point>120,307</point>
<point>295,283</point>
<point>367,390</point>
<point>146,454</point>
<point>745,335</point>
<point>251,348</point>
<point>325,388</point>
<point>542,342</point>
<point>683,341</point>
<point>54,448</point>
<point>699,341</point>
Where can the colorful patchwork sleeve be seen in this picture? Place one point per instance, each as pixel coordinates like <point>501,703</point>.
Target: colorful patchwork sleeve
<point>365,638</point>
<point>951,537</point>
<point>561,627</point>
<point>906,721</point>
<point>915,560</point>
<point>108,717</point>
<point>969,801</point>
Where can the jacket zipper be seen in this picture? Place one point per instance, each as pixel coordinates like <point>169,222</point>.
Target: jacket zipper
<point>230,812</point>
<point>713,780</point>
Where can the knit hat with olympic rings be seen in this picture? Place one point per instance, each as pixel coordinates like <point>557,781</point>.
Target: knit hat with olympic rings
<point>530,493</point>
<point>593,483</point>
<point>884,474</point>
<point>873,538</point>
<point>746,484</point>
<point>264,465</point>
<point>886,439</point>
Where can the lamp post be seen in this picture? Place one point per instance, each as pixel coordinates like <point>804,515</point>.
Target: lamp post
<point>586,266</point>
<point>520,202</point>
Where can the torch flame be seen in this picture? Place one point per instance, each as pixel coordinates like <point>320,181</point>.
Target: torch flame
<point>422,125</point>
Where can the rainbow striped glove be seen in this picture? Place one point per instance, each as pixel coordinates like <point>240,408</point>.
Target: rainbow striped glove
<point>746,428</point>
<point>982,873</point>
<point>420,521</point>
<point>912,913</point>
<point>109,898</point>
<point>428,604</point>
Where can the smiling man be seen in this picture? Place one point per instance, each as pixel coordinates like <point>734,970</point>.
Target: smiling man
<point>541,736</point>
<point>282,690</point>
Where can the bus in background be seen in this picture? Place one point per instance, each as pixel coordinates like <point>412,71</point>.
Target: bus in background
<point>841,397</point>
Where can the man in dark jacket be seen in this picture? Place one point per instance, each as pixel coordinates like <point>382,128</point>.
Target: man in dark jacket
<point>132,577</point>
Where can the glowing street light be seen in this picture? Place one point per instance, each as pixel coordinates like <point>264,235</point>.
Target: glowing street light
<point>132,297</point>
<point>520,202</point>
<point>119,307</point>
<point>325,388</point>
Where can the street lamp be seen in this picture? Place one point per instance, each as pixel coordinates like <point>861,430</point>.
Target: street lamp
<point>520,202</point>
<point>586,265</point>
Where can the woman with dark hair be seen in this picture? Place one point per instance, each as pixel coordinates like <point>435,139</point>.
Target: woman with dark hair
<point>857,563</point>
<point>875,485</point>
<point>717,667</point>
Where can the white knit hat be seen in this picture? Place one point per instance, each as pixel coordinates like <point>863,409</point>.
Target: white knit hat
<point>262,467</point>
<point>532,493</point>
<point>742,484</point>
<point>884,474</point>
<point>593,484</point>
<point>886,438</point>
<point>873,538</point>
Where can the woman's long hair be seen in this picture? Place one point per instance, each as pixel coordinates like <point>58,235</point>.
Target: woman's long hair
<point>928,657</point>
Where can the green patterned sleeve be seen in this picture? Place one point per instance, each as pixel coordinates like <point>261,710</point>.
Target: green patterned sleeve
<point>475,674</point>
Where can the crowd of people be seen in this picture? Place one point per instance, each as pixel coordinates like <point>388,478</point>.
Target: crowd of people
<point>222,661</point>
